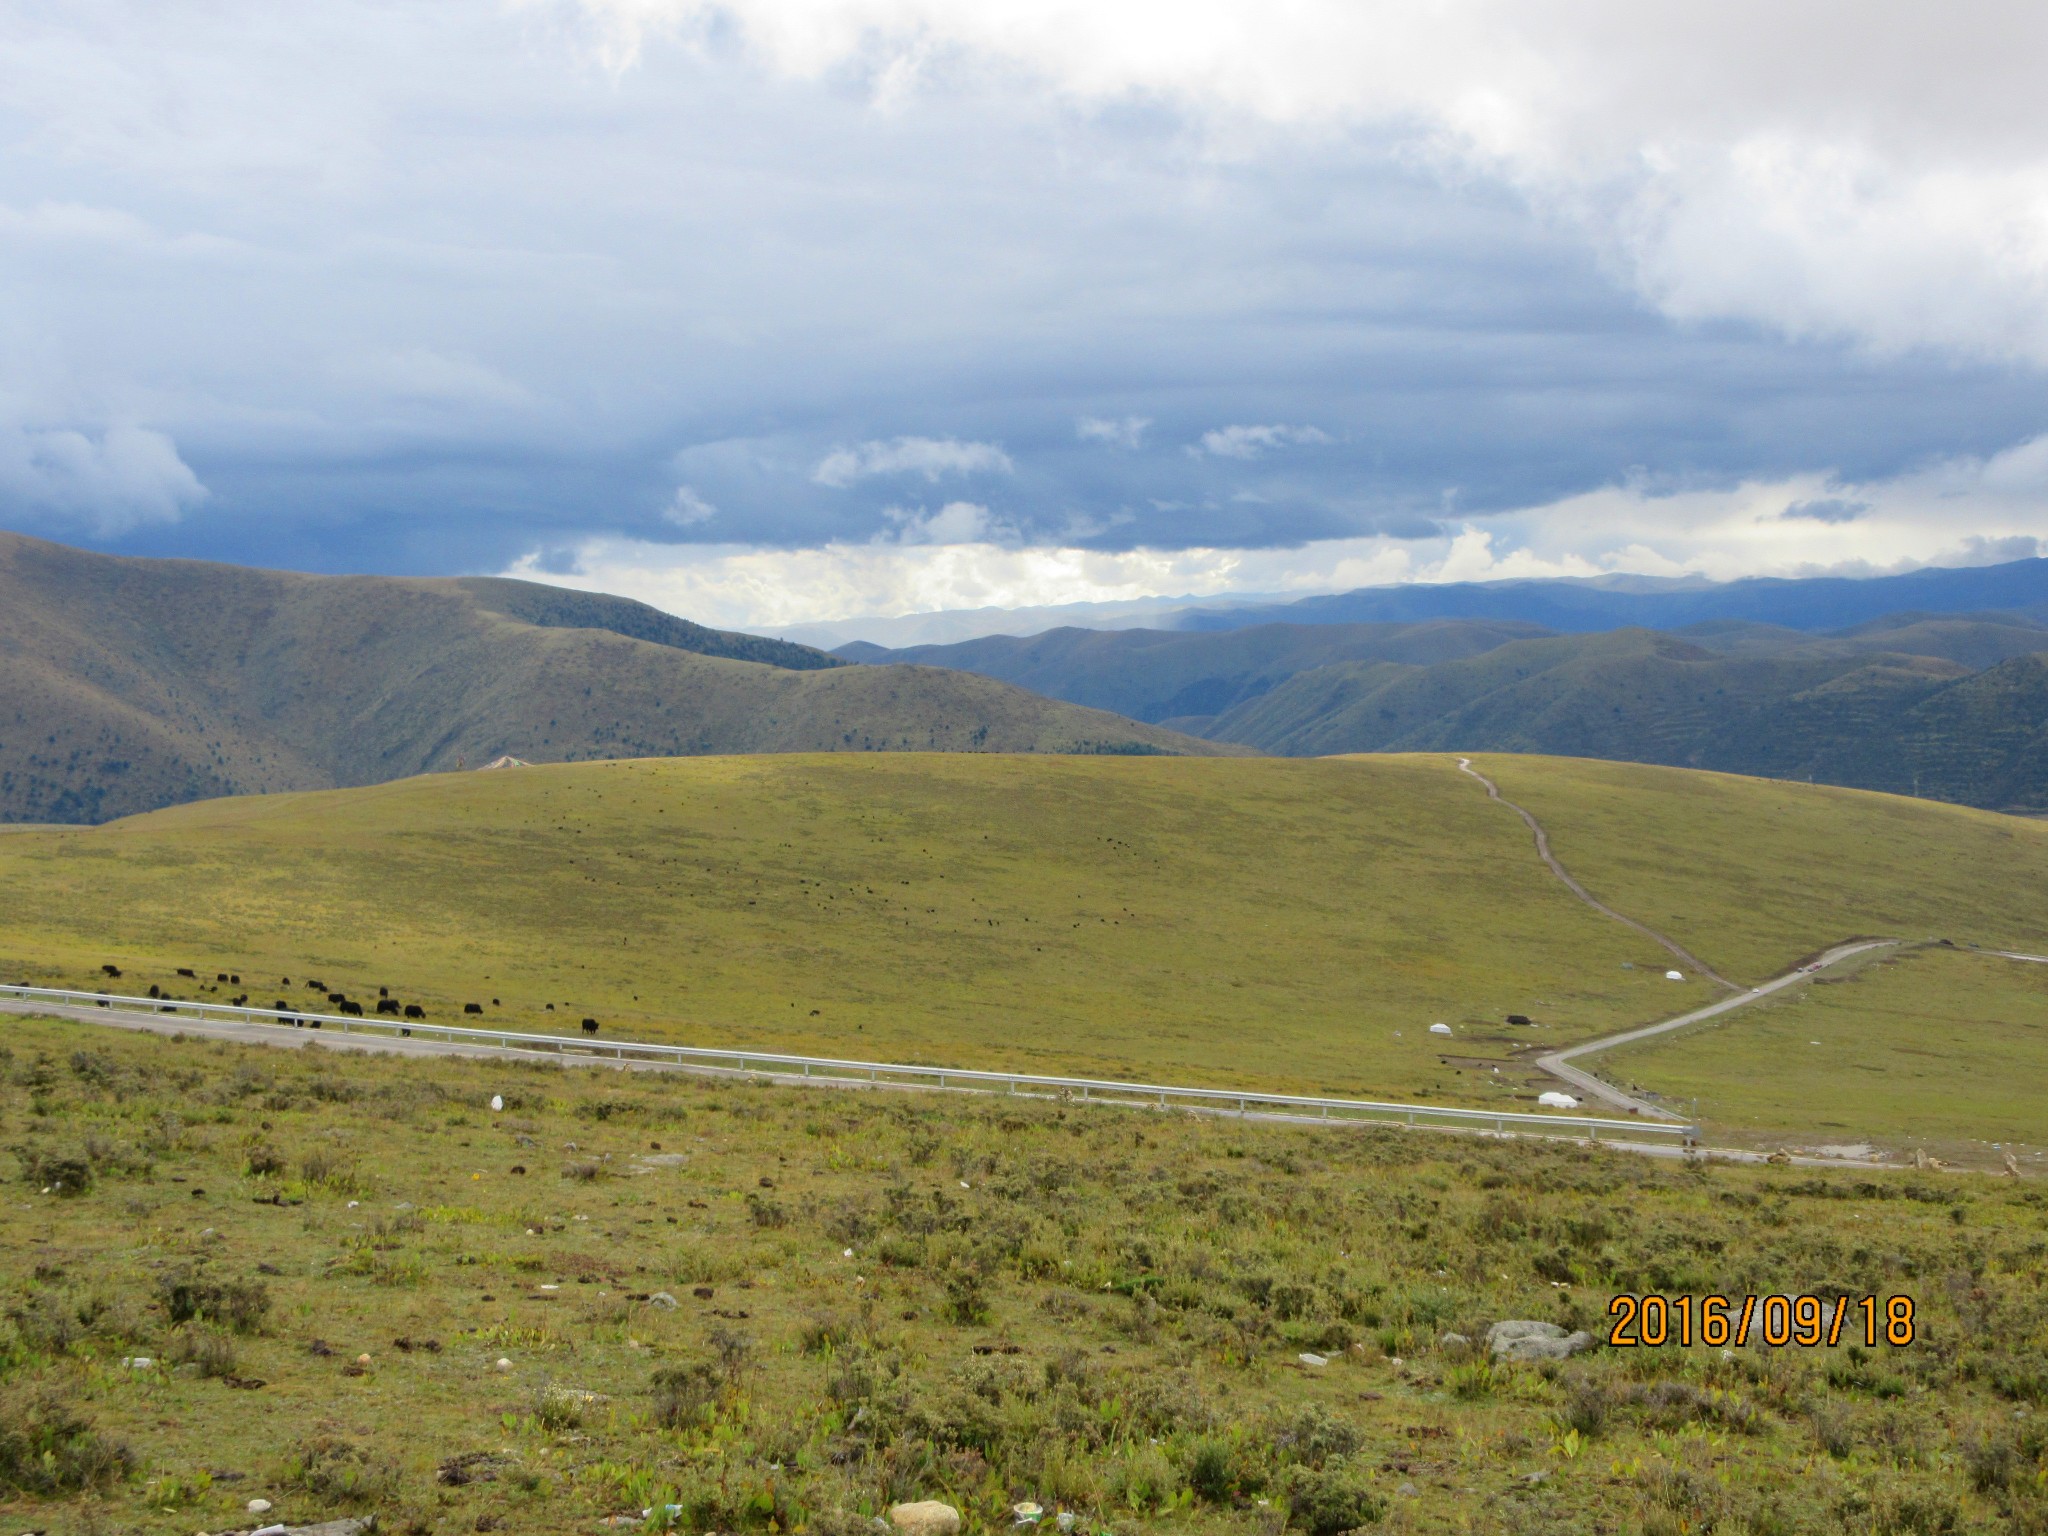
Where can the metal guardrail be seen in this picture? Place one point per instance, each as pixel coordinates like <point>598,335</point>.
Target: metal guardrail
<point>833,1069</point>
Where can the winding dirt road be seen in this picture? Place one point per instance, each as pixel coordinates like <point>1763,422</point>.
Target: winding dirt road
<point>1558,1063</point>
<point>1543,852</point>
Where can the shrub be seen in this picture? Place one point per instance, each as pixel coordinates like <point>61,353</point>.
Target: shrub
<point>683,1393</point>
<point>210,1349</point>
<point>62,1173</point>
<point>1144,1480</point>
<point>966,1303</point>
<point>238,1304</point>
<point>1472,1381</point>
<point>337,1471</point>
<point>559,1408</point>
<point>1213,1470</point>
<point>1314,1436</point>
<point>329,1170</point>
<point>1833,1431</point>
<point>1585,1407</point>
<point>47,1446</point>
<point>1336,1496</point>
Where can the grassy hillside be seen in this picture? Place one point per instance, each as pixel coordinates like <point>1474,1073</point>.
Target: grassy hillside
<point>130,684</point>
<point>1161,675</point>
<point>1755,874</point>
<point>1297,924</point>
<point>1953,707</point>
<point>1838,712</point>
<point>357,1289</point>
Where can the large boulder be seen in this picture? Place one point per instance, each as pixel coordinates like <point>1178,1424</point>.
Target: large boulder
<point>927,1517</point>
<point>1526,1339</point>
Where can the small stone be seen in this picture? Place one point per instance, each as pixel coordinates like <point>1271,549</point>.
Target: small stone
<point>497,1103</point>
<point>1307,1358</point>
<point>1409,1491</point>
<point>362,1359</point>
<point>662,1299</point>
<point>926,1517</point>
<point>1453,1341</point>
<point>258,1506</point>
<point>1527,1339</point>
<point>504,1364</point>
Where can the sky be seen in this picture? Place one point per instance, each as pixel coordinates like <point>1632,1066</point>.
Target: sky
<point>780,311</point>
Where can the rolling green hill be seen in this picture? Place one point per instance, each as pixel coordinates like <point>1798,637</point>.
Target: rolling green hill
<point>1902,722</point>
<point>1162,675</point>
<point>1291,924</point>
<point>1952,707</point>
<point>129,684</point>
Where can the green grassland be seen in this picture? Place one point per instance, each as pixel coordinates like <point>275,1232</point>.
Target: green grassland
<point>1936,1047</point>
<point>1754,874</point>
<point>324,1259</point>
<point>1293,925</point>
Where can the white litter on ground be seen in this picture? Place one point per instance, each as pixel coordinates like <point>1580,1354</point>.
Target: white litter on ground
<point>1674,975</point>
<point>1555,1100</point>
<point>1439,1029</point>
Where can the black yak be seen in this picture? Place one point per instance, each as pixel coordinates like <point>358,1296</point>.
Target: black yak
<point>472,1007</point>
<point>415,1011</point>
<point>590,1026</point>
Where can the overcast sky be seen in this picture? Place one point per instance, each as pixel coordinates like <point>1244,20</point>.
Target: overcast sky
<point>796,309</point>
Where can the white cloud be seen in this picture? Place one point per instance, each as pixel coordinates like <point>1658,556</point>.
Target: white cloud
<point>1881,175</point>
<point>961,557</point>
<point>1118,432</point>
<point>124,478</point>
<point>687,509</point>
<point>1251,442</point>
<point>957,522</point>
<point>927,456</point>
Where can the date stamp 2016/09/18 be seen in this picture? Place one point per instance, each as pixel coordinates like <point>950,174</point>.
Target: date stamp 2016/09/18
<point>1652,1321</point>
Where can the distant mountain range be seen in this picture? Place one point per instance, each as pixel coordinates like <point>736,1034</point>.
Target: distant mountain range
<point>128,684</point>
<point>1583,605</point>
<point>1569,605</point>
<point>1953,707</point>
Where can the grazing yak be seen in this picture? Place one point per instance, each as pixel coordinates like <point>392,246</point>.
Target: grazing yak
<point>472,1007</point>
<point>590,1026</point>
<point>387,1005</point>
<point>415,1011</point>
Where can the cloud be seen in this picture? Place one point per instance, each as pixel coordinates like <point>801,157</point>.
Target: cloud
<point>1825,509</point>
<point>687,509</point>
<point>125,478</point>
<point>1885,181</point>
<point>1117,432</point>
<point>962,557</point>
<point>1251,442</point>
<point>931,457</point>
<point>957,522</point>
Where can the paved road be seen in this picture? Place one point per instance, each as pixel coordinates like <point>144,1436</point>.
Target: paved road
<point>1689,959</point>
<point>1557,1063</point>
<point>284,1037</point>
